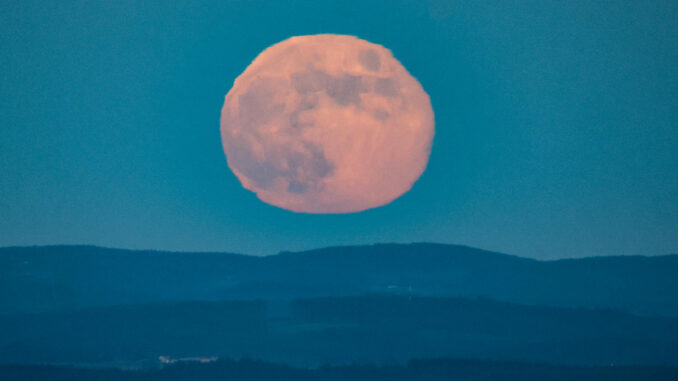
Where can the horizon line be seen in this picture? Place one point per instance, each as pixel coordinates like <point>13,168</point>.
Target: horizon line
<point>287,252</point>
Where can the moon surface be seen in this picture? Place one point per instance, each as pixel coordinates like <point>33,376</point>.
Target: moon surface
<point>327,124</point>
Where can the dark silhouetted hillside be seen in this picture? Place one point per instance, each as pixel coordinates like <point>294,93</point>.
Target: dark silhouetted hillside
<point>430,370</point>
<point>340,330</point>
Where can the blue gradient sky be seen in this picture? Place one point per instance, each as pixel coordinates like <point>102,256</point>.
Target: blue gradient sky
<point>556,133</point>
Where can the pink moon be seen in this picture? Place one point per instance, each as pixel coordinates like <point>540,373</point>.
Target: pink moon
<point>327,124</point>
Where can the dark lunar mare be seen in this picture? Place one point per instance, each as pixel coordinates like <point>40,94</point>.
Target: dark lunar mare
<point>303,168</point>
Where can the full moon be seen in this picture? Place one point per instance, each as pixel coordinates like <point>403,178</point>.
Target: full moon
<point>327,124</point>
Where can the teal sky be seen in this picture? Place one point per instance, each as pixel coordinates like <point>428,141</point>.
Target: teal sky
<point>556,124</point>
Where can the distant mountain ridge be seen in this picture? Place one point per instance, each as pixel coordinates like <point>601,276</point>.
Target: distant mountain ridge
<point>61,278</point>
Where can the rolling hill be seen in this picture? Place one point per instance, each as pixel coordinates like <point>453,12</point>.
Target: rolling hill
<point>64,278</point>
